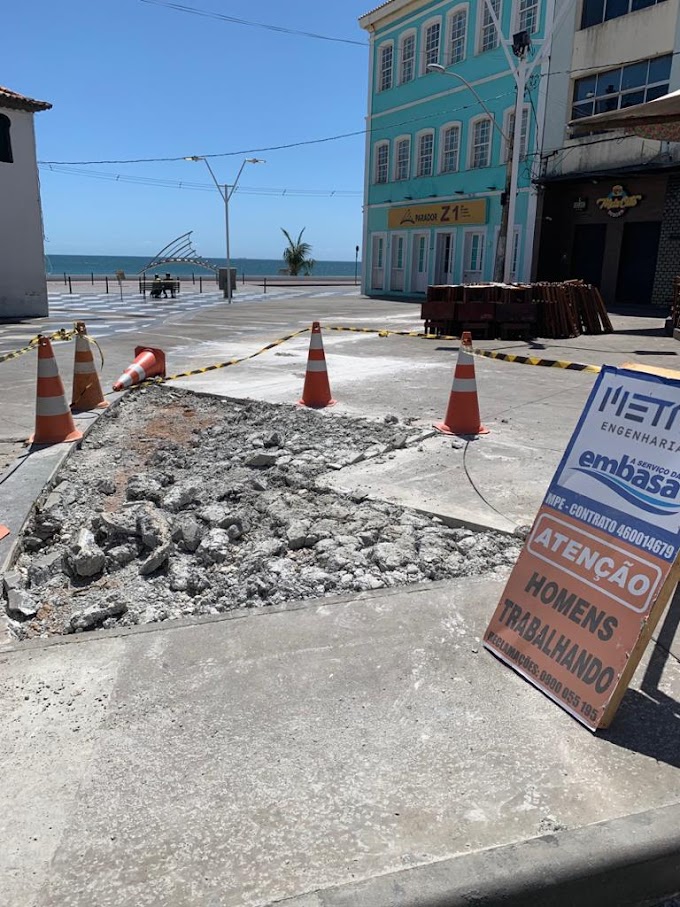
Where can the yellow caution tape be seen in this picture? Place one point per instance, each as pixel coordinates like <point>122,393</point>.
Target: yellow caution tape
<point>61,334</point>
<point>219,365</point>
<point>532,360</point>
<point>488,354</point>
<point>381,332</point>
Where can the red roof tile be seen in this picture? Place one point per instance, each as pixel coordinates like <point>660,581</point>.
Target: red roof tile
<point>14,101</point>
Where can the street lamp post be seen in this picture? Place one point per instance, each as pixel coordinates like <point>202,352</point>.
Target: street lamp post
<point>226,192</point>
<point>500,269</point>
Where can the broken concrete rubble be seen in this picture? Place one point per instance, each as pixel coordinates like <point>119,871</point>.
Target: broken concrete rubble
<point>226,507</point>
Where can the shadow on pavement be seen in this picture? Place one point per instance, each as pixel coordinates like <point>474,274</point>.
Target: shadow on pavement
<point>648,720</point>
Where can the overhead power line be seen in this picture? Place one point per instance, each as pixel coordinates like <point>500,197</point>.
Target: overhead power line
<point>244,151</point>
<point>234,20</point>
<point>202,187</point>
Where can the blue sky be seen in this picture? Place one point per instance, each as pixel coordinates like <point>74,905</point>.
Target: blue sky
<point>129,79</point>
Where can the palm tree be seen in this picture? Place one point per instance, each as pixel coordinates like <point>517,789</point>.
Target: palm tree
<point>296,255</point>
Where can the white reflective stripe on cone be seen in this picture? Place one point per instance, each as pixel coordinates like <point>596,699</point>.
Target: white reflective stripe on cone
<point>47,368</point>
<point>464,386</point>
<point>318,366</point>
<point>465,357</point>
<point>83,368</point>
<point>51,406</point>
<point>316,343</point>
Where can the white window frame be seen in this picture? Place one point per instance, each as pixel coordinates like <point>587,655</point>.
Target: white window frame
<point>411,33</point>
<point>455,263</point>
<point>395,238</point>
<point>456,124</point>
<point>436,20</point>
<point>420,135</point>
<point>461,8</point>
<point>472,124</point>
<point>508,117</point>
<point>515,252</point>
<point>516,17</point>
<point>395,156</point>
<point>383,143</point>
<point>482,11</point>
<point>483,233</point>
<point>374,267</point>
<point>381,49</point>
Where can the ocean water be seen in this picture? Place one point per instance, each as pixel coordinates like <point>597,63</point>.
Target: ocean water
<point>101,265</point>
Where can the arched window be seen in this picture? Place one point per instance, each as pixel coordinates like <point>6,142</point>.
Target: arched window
<point>5,140</point>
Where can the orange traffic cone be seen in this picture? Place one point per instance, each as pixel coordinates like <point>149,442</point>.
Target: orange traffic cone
<point>53,420</point>
<point>149,363</point>
<point>462,415</point>
<point>3,531</point>
<point>317,390</point>
<point>87,391</point>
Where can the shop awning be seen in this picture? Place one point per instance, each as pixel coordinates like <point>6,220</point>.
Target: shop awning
<point>658,119</point>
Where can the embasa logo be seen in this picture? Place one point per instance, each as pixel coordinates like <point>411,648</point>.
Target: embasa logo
<point>647,486</point>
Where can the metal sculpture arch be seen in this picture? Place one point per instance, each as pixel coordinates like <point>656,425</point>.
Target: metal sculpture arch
<point>179,251</point>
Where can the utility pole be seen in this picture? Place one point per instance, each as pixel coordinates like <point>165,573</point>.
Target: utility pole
<point>521,44</point>
<point>504,248</point>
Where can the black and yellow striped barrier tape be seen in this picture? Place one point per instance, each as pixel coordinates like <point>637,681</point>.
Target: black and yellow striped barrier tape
<point>532,360</point>
<point>488,354</point>
<point>381,332</point>
<point>219,365</point>
<point>61,334</point>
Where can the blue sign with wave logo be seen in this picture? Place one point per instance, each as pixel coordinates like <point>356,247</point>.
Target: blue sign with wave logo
<point>645,487</point>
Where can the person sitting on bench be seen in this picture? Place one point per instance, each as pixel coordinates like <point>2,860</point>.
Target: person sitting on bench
<point>168,284</point>
<point>156,287</point>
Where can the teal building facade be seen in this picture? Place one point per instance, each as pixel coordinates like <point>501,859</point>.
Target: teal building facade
<point>435,171</point>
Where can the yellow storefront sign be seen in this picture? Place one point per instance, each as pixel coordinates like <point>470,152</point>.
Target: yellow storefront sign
<point>468,211</point>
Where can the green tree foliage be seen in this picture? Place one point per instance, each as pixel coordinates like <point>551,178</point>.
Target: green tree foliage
<point>296,255</point>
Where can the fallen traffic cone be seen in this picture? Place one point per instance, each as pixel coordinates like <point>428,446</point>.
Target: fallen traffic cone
<point>87,391</point>
<point>53,420</point>
<point>462,415</point>
<point>149,363</point>
<point>3,531</point>
<point>317,390</point>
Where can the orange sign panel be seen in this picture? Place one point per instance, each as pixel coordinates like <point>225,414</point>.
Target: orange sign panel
<point>599,563</point>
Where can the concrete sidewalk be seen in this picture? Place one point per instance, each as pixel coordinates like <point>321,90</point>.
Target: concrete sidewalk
<point>264,755</point>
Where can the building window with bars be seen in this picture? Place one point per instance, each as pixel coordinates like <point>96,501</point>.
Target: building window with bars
<point>480,146</point>
<point>402,158</point>
<point>425,154</point>
<point>431,39</point>
<point>623,86</point>
<point>457,36</point>
<point>382,162</point>
<point>386,67</point>
<point>488,36</point>
<point>408,58</point>
<point>450,149</point>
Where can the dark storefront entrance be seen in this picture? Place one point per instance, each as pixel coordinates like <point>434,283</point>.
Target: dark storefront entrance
<point>587,253</point>
<point>637,261</point>
<point>607,231</point>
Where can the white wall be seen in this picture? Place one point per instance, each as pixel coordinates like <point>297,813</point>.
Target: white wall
<point>23,288</point>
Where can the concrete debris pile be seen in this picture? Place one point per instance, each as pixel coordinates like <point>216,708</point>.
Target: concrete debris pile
<point>179,504</point>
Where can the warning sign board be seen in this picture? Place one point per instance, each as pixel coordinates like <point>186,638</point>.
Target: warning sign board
<point>600,561</point>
